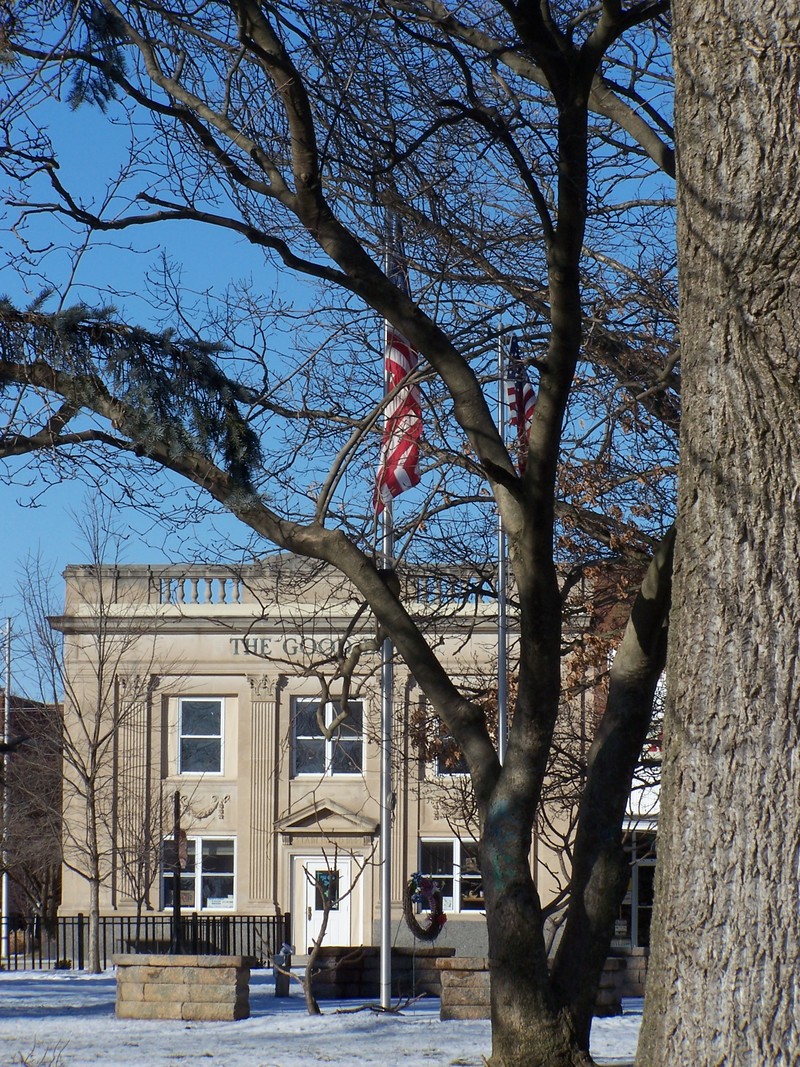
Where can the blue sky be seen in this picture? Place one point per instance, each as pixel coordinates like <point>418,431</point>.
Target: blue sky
<point>43,524</point>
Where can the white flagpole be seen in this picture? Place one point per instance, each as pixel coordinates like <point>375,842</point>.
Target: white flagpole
<point>387,701</point>
<point>502,582</point>
<point>387,693</point>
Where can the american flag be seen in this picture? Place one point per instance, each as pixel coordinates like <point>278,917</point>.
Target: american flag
<point>402,430</point>
<point>521,401</point>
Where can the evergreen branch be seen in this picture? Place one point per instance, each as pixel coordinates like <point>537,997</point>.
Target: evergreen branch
<point>174,384</point>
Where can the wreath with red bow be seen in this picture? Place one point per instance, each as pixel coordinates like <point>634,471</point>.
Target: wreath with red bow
<point>422,891</point>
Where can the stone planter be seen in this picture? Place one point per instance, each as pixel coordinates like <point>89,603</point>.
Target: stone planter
<point>183,987</point>
<point>465,987</point>
<point>466,994</point>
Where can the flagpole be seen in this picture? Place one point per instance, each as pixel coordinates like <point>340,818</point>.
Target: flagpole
<point>387,701</point>
<point>502,581</point>
<point>398,471</point>
<point>387,693</point>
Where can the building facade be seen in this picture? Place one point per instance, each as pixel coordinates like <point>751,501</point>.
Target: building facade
<point>226,691</point>
<point>219,697</point>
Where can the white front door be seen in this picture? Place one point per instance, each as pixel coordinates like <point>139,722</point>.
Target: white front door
<point>327,884</point>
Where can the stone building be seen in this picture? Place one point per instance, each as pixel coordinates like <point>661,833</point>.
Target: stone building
<point>225,689</point>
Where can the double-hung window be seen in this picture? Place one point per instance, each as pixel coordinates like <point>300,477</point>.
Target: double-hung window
<point>200,735</point>
<point>207,877</point>
<point>454,866</point>
<point>324,741</point>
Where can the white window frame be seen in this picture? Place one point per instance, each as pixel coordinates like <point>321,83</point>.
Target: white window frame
<point>198,874</point>
<point>329,743</point>
<point>181,735</point>
<point>449,902</point>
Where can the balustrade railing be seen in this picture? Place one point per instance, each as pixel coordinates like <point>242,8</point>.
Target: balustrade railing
<point>213,586</point>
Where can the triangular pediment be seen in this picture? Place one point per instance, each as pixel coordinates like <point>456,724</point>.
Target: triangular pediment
<point>326,817</point>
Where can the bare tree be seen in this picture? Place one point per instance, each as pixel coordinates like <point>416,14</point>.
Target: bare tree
<point>99,697</point>
<point>520,146</point>
<point>330,895</point>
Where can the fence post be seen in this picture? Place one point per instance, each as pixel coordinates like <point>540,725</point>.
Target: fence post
<point>80,941</point>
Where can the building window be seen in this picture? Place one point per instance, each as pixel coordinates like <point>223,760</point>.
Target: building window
<point>632,928</point>
<point>455,867</point>
<point>323,745</point>
<point>200,736</point>
<point>449,758</point>
<point>208,874</point>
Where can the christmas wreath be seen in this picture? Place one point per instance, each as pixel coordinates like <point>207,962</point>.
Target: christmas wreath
<point>422,891</point>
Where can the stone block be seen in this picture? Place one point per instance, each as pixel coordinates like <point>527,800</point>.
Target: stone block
<point>463,1011</point>
<point>466,980</point>
<point>130,991</point>
<point>206,976</point>
<point>163,993</point>
<point>463,963</point>
<point>214,994</point>
<point>214,1012</point>
<point>467,996</point>
<point>148,1010</point>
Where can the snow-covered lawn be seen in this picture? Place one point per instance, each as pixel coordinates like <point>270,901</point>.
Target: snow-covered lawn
<point>66,1019</point>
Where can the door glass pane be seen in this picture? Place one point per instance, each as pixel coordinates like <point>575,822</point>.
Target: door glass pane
<point>326,888</point>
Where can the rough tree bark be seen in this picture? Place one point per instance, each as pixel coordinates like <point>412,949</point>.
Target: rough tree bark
<point>724,964</point>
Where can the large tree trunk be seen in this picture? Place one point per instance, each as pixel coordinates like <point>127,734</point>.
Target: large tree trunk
<point>728,923</point>
<point>528,1027</point>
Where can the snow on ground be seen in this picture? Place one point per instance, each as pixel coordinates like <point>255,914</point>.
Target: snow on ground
<point>66,1019</point>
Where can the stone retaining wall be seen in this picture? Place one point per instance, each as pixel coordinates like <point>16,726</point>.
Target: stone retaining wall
<point>183,987</point>
<point>343,973</point>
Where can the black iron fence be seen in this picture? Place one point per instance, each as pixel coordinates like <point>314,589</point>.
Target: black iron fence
<point>257,936</point>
